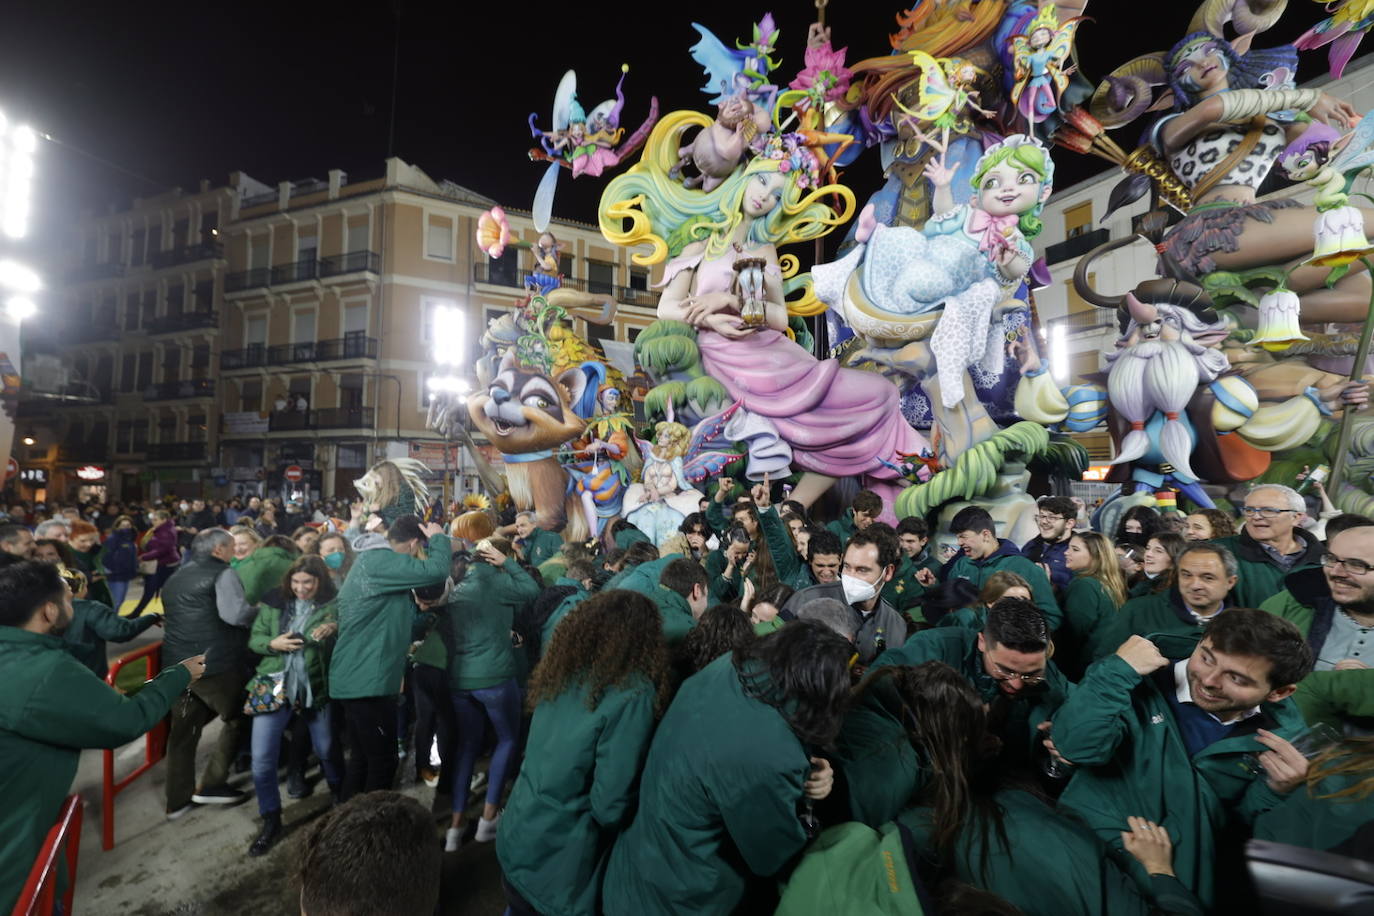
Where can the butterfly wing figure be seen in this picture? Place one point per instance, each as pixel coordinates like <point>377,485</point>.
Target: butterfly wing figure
<point>709,451</point>
<point>1020,55</point>
<point>1060,47</point>
<point>1358,152</point>
<point>721,63</point>
<point>936,95</point>
<point>1343,31</point>
<point>542,211</point>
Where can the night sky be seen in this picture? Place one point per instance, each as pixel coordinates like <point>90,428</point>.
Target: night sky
<point>170,93</point>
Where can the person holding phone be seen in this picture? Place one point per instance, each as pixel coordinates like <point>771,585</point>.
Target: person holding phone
<point>295,626</point>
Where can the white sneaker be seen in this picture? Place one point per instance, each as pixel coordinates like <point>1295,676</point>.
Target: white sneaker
<point>453,838</point>
<point>486,829</point>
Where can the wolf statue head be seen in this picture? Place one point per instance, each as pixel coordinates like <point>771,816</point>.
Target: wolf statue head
<point>525,412</point>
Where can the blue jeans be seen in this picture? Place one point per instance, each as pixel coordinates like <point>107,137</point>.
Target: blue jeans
<point>267,729</point>
<point>500,704</point>
<point>118,589</point>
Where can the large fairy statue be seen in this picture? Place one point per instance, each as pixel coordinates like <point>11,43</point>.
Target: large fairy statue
<point>724,277</point>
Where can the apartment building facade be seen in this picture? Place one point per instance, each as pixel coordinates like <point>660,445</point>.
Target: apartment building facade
<point>301,341</point>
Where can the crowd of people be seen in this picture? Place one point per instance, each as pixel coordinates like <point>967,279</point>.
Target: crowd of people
<point>1088,722</point>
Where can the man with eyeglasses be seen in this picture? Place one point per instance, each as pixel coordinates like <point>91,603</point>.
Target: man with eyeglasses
<point>1271,544</point>
<point>1055,516</point>
<point>1007,663</point>
<point>1193,735</point>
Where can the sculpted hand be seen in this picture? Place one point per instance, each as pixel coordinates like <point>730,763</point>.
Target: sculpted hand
<point>1348,664</point>
<point>728,326</point>
<point>1333,111</point>
<point>698,308</point>
<point>939,175</point>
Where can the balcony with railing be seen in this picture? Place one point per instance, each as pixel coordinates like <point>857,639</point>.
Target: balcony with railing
<point>186,254</point>
<point>89,272</point>
<point>180,390</point>
<point>323,418</point>
<point>84,452</point>
<point>351,263</point>
<point>315,351</point>
<point>78,331</point>
<point>295,272</point>
<point>1078,245</point>
<point>176,451</point>
<point>252,278</point>
<point>182,321</point>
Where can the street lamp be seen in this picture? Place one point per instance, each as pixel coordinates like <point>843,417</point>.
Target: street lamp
<point>448,346</point>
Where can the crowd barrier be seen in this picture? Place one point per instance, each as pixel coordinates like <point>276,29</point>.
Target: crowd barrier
<point>154,743</point>
<point>40,890</point>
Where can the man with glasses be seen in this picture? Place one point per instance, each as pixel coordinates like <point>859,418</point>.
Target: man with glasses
<point>1007,663</point>
<point>1270,545</point>
<point>1191,735</point>
<point>1335,612</point>
<point>1055,517</point>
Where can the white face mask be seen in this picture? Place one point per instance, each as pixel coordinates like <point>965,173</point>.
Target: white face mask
<point>856,590</point>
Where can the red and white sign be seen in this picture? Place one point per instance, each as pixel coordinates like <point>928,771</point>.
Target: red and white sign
<point>11,469</point>
<point>91,472</point>
<point>1097,472</point>
<point>293,473</point>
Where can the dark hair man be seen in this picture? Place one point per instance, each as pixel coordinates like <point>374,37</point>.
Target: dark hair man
<point>1163,729</point>
<point>982,553</point>
<point>17,540</point>
<point>1055,517</point>
<point>54,707</point>
<point>869,560</point>
<point>681,597</point>
<point>1205,575</point>
<point>863,511</point>
<point>917,570</point>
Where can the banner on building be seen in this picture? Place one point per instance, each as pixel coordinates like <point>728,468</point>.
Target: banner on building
<point>244,423</point>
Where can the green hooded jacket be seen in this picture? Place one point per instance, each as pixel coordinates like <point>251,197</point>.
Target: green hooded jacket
<point>262,570</point>
<point>1160,612</point>
<point>718,803</point>
<point>477,629</point>
<point>1260,577</point>
<point>375,615</point>
<point>267,626</point>
<point>564,606</point>
<point>1007,559</point>
<point>904,592</point>
<point>882,771</point>
<point>1119,730</point>
<point>1331,697</point>
<point>52,708</point>
<point>576,791</point>
<point>93,625</point>
<point>1309,817</point>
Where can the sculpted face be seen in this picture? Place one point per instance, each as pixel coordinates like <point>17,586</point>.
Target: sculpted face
<point>1008,189</point>
<point>525,411</point>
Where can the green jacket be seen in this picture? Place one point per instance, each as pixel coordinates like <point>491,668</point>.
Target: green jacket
<point>1119,730</point>
<point>904,592</point>
<point>268,625</point>
<point>842,527</point>
<point>94,624</point>
<point>481,611</point>
<point>717,803</point>
<point>716,519</point>
<point>722,588</point>
<point>958,648</point>
<point>1089,612</point>
<point>676,613</point>
<point>1007,559</point>
<point>1309,817</point>
<point>97,589</point>
<point>1287,606</point>
<point>644,577</point>
<point>540,546</point>
<point>51,709</point>
<point>881,769</point>
<point>375,614</point>
<point>1051,863</point>
<point>1259,576</point>
<point>627,536</point>
<point>1331,697</point>
<point>564,606</point>
<point>575,792</point>
<point>1161,612</point>
<point>262,570</point>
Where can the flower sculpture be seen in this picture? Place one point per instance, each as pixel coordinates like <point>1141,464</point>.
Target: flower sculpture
<point>1278,321</point>
<point>493,232</point>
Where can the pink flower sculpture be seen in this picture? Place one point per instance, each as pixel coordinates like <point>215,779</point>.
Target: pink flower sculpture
<point>493,232</point>
<point>825,73</point>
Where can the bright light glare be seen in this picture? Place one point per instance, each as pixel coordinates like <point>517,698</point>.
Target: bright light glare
<point>20,307</point>
<point>15,276</point>
<point>16,178</point>
<point>449,335</point>
<point>28,440</point>
<point>1059,353</point>
<point>448,383</point>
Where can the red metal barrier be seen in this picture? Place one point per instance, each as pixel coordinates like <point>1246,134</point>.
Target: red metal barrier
<point>40,890</point>
<point>154,747</point>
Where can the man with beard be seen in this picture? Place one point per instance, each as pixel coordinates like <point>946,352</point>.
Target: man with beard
<point>1169,730</point>
<point>54,706</point>
<point>1335,611</point>
<point>1055,516</point>
<point>1271,544</point>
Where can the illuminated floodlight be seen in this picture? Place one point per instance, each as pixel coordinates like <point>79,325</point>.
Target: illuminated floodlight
<point>448,335</point>
<point>1059,352</point>
<point>17,148</point>
<point>20,307</point>
<point>18,278</point>
<point>448,384</point>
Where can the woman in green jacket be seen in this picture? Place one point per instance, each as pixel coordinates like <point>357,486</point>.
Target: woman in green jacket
<point>602,684</point>
<point>1090,600</point>
<point>482,670</point>
<point>1157,564</point>
<point>295,626</point>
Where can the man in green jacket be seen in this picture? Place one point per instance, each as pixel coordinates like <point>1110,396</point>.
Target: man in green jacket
<point>51,709</point>
<point>982,553</point>
<point>681,597</point>
<point>1333,607</point>
<point>1170,731</point>
<point>1007,663</point>
<point>1270,544</point>
<point>94,625</point>
<point>375,615</point>
<point>534,543</point>
<point>1206,575</point>
<point>862,512</point>
<point>917,571</point>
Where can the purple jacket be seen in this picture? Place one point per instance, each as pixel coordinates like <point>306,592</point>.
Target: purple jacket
<point>161,545</point>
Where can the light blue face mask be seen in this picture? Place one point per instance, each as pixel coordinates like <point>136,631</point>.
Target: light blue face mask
<point>334,560</point>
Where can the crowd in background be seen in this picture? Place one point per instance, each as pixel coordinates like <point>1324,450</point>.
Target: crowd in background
<point>1091,721</point>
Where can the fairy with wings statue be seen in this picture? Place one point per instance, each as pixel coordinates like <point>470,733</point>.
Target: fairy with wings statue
<point>675,463</point>
<point>1041,58</point>
<point>746,66</point>
<point>1330,162</point>
<point>587,143</point>
<point>945,91</point>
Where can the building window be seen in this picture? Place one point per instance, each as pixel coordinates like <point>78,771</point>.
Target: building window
<point>565,265</point>
<point>154,240</point>
<point>196,429</point>
<point>124,437</point>
<point>600,277</point>
<point>358,235</point>
<point>200,356</point>
<point>179,229</point>
<point>126,372</point>
<point>138,239</point>
<point>145,371</point>
<point>209,227</point>
<point>351,391</point>
<point>175,299</point>
<point>307,246</point>
<point>140,437</point>
<point>439,238</point>
<point>1078,219</point>
<point>171,362</point>
<point>149,308</point>
<point>428,306</point>
<point>166,429</point>
<point>205,295</point>
<point>504,271</point>
<point>252,395</point>
<point>351,456</point>
<point>131,311</point>
<point>639,279</point>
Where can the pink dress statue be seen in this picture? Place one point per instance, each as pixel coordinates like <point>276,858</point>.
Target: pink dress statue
<point>839,422</point>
